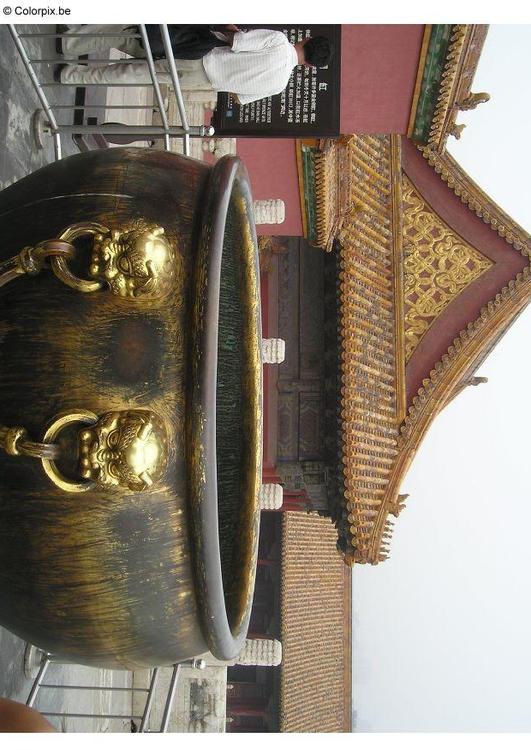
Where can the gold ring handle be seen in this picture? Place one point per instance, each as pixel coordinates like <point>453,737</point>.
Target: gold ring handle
<point>119,449</point>
<point>60,266</point>
<point>31,259</point>
<point>51,434</point>
<point>135,260</point>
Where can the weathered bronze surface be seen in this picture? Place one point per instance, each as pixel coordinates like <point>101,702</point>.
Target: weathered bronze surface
<point>120,576</point>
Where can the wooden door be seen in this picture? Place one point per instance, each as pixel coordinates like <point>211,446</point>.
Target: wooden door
<point>300,376</point>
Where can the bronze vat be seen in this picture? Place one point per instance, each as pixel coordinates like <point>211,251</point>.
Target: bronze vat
<point>130,408</point>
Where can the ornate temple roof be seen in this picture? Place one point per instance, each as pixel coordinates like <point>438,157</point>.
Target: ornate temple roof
<point>431,272</point>
<point>316,673</point>
<point>448,62</point>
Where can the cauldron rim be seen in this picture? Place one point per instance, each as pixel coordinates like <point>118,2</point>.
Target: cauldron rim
<point>225,639</point>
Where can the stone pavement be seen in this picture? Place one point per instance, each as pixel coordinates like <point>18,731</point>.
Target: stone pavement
<point>19,155</point>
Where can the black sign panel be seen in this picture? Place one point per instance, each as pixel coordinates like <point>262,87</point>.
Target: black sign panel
<point>308,107</point>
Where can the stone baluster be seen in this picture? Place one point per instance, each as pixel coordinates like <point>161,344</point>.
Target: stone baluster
<point>260,652</point>
<point>271,496</point>
<point>220,146</point>
<point>272,211</point>
<point>273,351</point>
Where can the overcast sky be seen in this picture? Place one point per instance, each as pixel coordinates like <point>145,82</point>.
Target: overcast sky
<point>442,630</point>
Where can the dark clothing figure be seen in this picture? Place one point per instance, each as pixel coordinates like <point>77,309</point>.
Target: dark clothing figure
<point>188,41</point>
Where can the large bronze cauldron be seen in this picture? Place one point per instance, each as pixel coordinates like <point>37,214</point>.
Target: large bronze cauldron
<point>130,408</point>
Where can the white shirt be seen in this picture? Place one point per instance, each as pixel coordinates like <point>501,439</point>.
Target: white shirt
<point>258,64</point>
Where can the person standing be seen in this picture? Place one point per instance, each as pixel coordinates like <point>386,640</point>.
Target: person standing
<point>188,41</point>
<point>252,65</point>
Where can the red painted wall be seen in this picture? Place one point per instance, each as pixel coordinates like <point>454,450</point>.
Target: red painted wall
<point>378,72</point>
<point>379,65</point>
<point>272,166</point>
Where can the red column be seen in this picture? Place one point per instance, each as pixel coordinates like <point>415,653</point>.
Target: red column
<point>270,476</point>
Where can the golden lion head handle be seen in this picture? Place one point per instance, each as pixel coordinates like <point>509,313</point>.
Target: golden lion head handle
<point>124,450</point>
<point>135,260</point>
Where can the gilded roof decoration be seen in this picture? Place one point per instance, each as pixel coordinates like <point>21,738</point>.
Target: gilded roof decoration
<point>326,172</point>
<point>438,265</point>
<point>431,68</point>
<point>369,404</point>
<point>325,189</point>
<point>448,83</point>
<point>447,65</point>
<point>468,348</point>
<point>467,351</point>
<point>454,369</point>
<point>307,185</point>
<point>397,257</point>
<point>478,201</point>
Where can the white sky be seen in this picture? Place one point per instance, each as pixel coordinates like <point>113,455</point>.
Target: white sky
<point>442,630</point>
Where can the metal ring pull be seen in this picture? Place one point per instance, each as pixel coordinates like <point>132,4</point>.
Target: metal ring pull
<point>118,450</point>
<point>52,433</point>
<point>31,259</point>
<point>135,260</point>
<point>15,442</point>
<point>60,266</point>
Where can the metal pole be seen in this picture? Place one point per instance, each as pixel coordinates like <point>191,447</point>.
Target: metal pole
<point>170,698</point>
<point>175,131</point>
<point>156,87</point>
<point>91,61</point>
<point>40,674</point>
<point>109,85</point>
<point>149,701</point>
<point>95,687</point>
<point>91,716</point>
<point>176,86</point>
<point>57,145</point>
<point>38,89</point>
<point>66,36</point>
<point>106,106</point>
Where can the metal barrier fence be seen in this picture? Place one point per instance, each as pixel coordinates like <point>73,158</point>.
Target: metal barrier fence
<point>165,131</point>
<point>39,685</point>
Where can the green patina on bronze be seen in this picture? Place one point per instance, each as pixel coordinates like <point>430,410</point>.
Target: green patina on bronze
<point>229,396</point>
<point>431,82</point>
<point>225,574</point>
<point>308,176</point>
